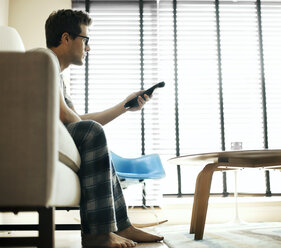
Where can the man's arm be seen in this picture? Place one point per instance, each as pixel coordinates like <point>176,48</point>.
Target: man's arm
<point>107,115</point>
<point>67,115</point>
<point>110,114</point>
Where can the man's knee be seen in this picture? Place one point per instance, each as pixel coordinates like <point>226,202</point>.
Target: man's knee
<point>86,131</point>
<point>97,127</point>
<point>90,125</point>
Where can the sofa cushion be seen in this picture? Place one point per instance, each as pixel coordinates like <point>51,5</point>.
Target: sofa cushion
<point>65,190</point>
<point>68,153</point>
<point>10,40</point>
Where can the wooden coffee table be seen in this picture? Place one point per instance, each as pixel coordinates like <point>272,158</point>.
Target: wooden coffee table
<point>220,160</point>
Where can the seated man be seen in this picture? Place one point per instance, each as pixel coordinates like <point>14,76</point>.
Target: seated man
<point>103,211</point>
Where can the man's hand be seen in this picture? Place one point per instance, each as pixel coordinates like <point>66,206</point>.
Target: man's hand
<point>141,101</point>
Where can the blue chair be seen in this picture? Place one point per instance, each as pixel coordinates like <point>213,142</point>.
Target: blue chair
<point>140,169</point>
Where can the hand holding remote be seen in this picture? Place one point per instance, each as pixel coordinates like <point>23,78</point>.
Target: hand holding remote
<point>134,102</point>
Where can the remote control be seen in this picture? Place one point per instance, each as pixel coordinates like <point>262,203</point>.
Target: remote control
<point>134,102</point>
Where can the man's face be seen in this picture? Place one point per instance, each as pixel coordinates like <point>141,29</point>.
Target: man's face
<point>78,48</point>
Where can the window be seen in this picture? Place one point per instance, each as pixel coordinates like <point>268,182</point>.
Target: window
<point>220,61</point>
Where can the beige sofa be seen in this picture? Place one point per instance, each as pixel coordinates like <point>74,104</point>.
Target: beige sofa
<point>39,160</point>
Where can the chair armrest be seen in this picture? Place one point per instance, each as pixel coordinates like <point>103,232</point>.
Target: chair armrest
<point>28,128</point>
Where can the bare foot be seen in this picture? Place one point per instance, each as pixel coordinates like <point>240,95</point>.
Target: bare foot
<point>138,235</point>
<point>109,240</point>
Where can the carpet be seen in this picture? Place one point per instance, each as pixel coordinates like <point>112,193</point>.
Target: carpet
<point>265,235</point>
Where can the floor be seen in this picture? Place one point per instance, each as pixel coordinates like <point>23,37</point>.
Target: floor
<point>175,210</point>
<point>71,239</point>
<point>63,241</point>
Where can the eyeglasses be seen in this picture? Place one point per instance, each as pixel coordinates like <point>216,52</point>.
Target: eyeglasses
<point>86,38</point>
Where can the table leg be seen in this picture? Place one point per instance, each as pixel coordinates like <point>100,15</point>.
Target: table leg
<point>194,208</point>
<point>201,197</point>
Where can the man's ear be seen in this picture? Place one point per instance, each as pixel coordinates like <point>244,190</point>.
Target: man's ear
<point>65,38</point>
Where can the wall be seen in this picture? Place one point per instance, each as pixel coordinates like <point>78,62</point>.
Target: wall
<point>4,10</point>
<point>28,18</point>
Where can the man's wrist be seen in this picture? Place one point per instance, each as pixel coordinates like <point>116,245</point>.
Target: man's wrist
<point>124,110</point>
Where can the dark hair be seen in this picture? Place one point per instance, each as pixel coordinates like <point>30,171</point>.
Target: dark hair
<point>65,20</point>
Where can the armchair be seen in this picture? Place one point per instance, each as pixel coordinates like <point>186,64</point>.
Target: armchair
<point>39,159</point>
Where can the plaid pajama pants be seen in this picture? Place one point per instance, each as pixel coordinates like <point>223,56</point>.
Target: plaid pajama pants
<point>102,206</point>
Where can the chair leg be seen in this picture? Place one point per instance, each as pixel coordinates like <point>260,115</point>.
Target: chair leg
<point>144,206</point>
<point>46,228</point>
<point>143,193</point>
<point>202,196</point>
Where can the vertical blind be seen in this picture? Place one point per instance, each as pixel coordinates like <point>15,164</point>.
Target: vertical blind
<point>241,73</point>
<point>221,63</point>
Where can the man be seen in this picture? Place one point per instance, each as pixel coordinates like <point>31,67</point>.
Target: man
<point>103,211</point>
